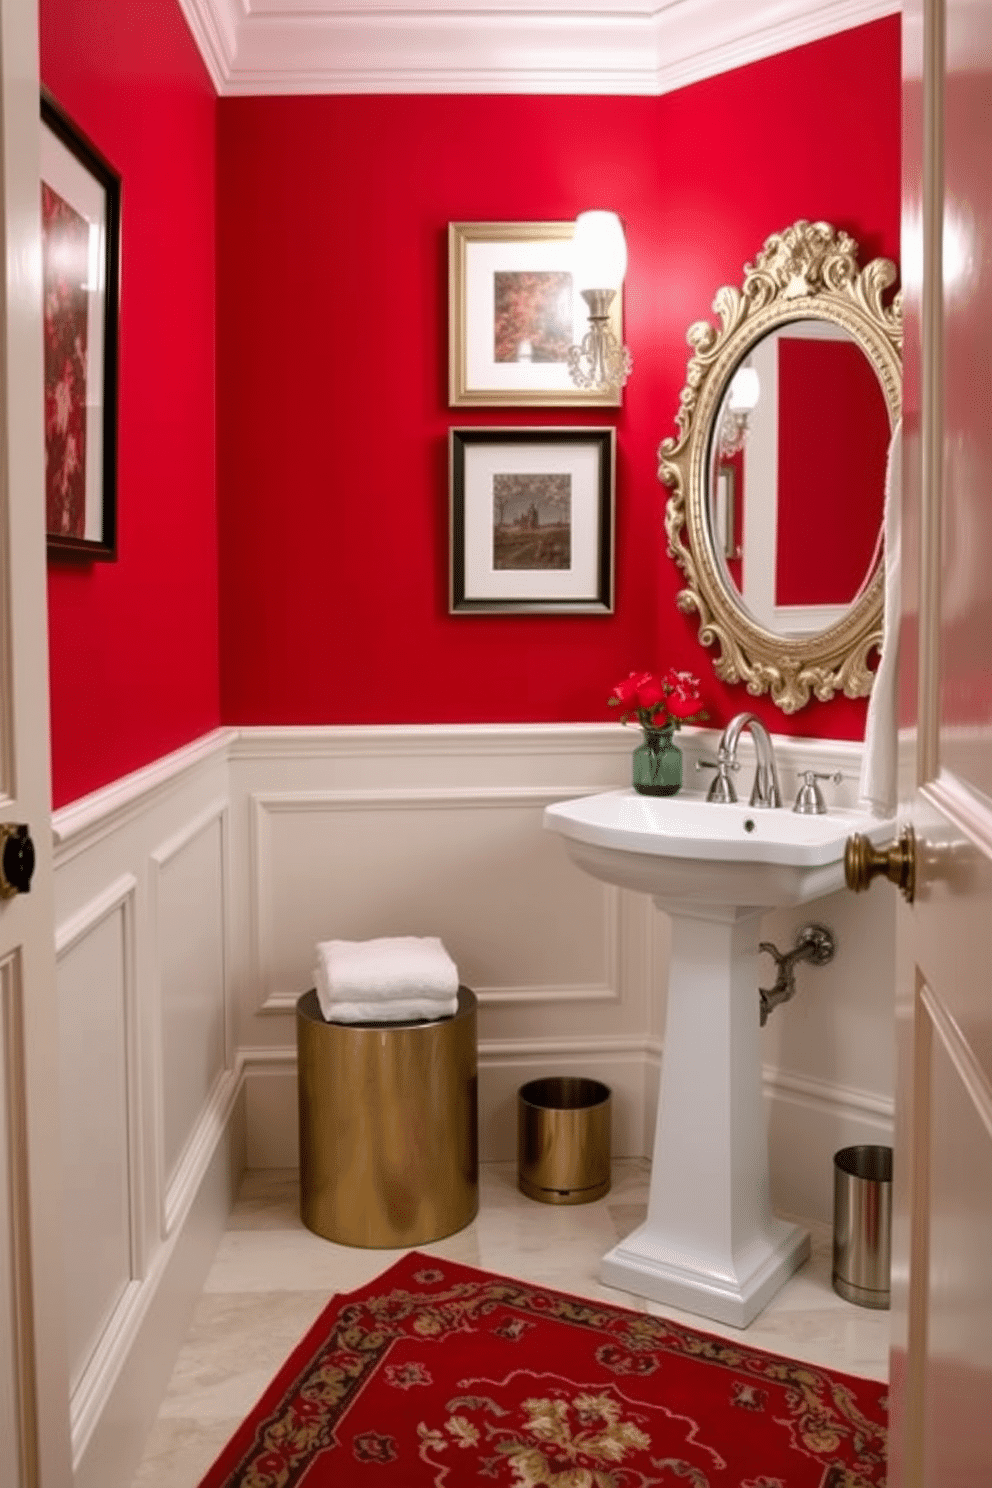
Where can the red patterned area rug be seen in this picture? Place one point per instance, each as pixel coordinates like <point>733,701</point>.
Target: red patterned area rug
<point>438,1374</point>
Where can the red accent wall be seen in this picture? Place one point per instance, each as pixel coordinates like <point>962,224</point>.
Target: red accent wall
<point>332,353</point>
<point>134,651</point>
<point>328,521</point>
<point>826,388</point>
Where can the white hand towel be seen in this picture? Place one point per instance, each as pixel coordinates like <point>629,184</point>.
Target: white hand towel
<point>879,783</point>
<point>396,1010</point>
<point>391,968</point>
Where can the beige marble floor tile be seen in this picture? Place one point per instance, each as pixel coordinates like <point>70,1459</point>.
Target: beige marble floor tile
<point>178,1453</point>
<point>235,1344</point>
<point>271,1278</point>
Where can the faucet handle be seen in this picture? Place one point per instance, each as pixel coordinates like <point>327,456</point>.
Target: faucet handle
<point>722,788</point>
<point>809,801</point>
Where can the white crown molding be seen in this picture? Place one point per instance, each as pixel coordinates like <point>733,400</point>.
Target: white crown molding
<point>213,24</point>
<point>500,46</point>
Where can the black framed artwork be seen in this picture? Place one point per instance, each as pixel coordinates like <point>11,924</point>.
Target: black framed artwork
<point>80,240</point>
<point>531,520</point>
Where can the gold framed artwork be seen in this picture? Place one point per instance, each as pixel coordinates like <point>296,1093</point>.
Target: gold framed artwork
<point>532,520</point>
<point>513,312</point>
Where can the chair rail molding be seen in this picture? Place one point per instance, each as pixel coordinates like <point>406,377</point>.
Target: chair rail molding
<point>559,46</point>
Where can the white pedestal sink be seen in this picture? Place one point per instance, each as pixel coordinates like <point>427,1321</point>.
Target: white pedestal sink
<point>711,1244</point>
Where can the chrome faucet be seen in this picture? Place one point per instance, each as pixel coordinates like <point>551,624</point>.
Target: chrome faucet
<point>765,791</point>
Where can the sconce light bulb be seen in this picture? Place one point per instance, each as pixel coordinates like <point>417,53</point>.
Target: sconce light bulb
<point>745,390</point>
<point>599,251</point>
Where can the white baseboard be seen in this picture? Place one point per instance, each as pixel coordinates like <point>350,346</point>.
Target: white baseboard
<point>808,1120</point>
<point>272,1113</point>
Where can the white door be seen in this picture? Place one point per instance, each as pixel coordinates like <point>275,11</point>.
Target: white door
<point>941,1416</point>
<point>34,1401</point>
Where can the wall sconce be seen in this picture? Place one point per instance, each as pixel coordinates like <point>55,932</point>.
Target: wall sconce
<point>745,390</point>
<point>599,264</point>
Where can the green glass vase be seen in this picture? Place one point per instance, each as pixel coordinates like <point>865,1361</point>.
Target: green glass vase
<point>657,764</point>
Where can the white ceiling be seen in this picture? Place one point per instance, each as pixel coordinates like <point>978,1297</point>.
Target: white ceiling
<point>500,46</point>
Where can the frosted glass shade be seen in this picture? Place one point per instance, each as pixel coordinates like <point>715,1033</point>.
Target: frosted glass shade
<point>599,251</point>
<point>745,390</point>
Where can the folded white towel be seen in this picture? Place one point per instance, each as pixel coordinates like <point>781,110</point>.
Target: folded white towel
<point>396,1010</point>
<point>390,969</point>
<point>879,785</point>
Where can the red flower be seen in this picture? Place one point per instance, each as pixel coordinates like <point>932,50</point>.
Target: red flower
<point>682,705</point>
<point>662,701</point>
<point>650,693</point>
<point>625,692</point>
<point>640,692</point>
<point>683,694</point>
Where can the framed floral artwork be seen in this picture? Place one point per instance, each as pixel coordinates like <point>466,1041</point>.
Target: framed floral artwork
<point>513,312</point>
<point>531,520</point>
<point>80,246</point>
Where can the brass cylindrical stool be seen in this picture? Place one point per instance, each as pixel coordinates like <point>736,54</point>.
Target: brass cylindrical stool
<point>563,1140</point>
<point>388,1126</point>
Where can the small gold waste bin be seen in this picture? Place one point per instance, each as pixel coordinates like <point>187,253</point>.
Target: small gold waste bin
<point>388,1126</point>
<point>563,1139</point>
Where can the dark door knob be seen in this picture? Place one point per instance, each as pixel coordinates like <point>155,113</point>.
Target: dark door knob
<point>16,860</point>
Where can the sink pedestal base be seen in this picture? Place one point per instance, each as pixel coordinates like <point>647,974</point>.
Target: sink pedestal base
<point>711,1244</point>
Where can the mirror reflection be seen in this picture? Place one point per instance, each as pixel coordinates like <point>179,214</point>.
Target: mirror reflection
<point>796,477</point>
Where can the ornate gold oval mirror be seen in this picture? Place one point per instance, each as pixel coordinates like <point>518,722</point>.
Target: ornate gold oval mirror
<point>777,476</point>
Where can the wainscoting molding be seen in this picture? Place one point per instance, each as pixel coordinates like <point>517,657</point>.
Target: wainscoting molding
<point>808,1121</point>
<point>80,825</point>
<point>370,804</point>
<point>141,876</point>
<point>192,1003</point>
<point>189,898</point>
<point>104,1168</point>
<point>504,1065</point>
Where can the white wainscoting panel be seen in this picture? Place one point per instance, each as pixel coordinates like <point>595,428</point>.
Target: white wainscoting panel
<point>149,1082</point>
<point>829,1053</point>
<point>271,1112</point>
<point>189,928</point>
<point>808,1121</point>
<point>471,866</point>
<point>439,831</point>
<point>838,1029</point>
<point>98,1029</point>
<point>189,897</point>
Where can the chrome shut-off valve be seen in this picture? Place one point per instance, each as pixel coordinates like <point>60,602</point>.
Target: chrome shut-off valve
<point>815,944</point>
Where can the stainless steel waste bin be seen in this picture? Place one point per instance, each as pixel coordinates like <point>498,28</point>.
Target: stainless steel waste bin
<point>863,1224</point>
<point>388,1126</point>
<point>563,1139</point>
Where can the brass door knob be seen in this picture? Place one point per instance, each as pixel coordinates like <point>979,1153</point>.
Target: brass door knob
<point>863,861</point>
